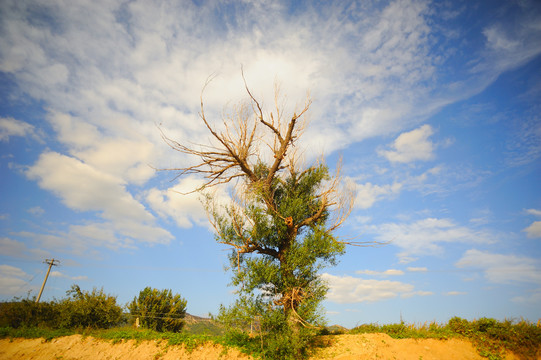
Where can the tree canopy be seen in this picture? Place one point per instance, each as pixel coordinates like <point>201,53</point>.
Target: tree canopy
<point>160,310</point>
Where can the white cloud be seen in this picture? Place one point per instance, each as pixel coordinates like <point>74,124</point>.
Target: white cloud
<point>62,275</point>
<point>503,269</point>
<point>533,298</point>
<point>178,203</point>
<point>534,230</point>
<point>416,293</point>
<point>498,40</point>
<point>124,157</point>
<point>390,272</point>
<point>349,289</point>
<point>85,188</point>
<point>17,249</point>
<point>411,146</point>
<point>12,280</point>
<point>84,240</point>
<point>11,127</point>
<point>533,212</point>
<point>368,193</point>
<point>10,247</point>
<point>107,73</point>
<point>426,236</point>
<point>515,42</point>
<point>417,269</point>
<point>455,293</point>
<point>36,210</point>
<point>370,67</point>
<point>137,64</point>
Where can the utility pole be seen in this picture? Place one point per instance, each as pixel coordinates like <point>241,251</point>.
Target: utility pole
<point>51,263</point>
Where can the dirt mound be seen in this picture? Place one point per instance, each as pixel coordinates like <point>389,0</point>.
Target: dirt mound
<point>343,347</point>
<point>76,347</point>
<point>382,346</point>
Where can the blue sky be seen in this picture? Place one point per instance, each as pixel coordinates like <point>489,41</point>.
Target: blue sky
<point>433,106</point>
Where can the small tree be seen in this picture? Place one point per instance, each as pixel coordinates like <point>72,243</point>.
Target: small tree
<point>280,224</point>
<point>89,309</point>
<point>159,310</point>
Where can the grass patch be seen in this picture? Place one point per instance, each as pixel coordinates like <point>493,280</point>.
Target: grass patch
<point>189,341</point>
<point>491,337</point>
<point>34,333</point>
<point>407,331</point>
<point>116,335</point>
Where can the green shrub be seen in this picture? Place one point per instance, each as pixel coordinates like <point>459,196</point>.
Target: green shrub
<point>460,326</point>
<point>83,309</point>
<point>93,309</point>
<point>159,310</point>
<point>28,313</point>
<point>366,329</point>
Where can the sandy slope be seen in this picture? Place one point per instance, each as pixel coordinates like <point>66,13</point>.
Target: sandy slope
<point>343,347</point>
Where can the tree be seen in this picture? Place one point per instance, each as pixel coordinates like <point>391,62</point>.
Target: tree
<point>89,309</point>
<point>280,223</point>
<point>159,310</point>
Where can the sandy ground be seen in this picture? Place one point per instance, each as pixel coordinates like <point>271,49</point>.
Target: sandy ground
<point>343,347</point>
<point>382,346</point>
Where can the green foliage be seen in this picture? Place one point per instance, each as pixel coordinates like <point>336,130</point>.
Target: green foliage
<point>27,313</point>
<point>159,310</point>
<point>490,336</point>
<point>269,335</point>
<point>189,341</point>
<point>81,309</point>
<point>33,332</point>
<point>94,309</point>
<point>278,282</point>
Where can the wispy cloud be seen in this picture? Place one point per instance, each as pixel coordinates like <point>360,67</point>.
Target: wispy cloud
<point>62,275</point>
<point>11,127</point>
<point>181,204</point>
<point>12,280</point>
<point>19,250</point>
<point>108,72</point>
<point>533,297</point>
<point>427,236</point>
<point>503,268</point>
<point>534,230</point>
<point>417,269</point>
<point>349,289</point>
<point>85,188</point>
<point>36,210</point>
<point>390,272</point>
<point>455,293</point>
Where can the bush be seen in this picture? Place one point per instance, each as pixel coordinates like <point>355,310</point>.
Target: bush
<point>89,309</point>
<point>159,310</point>
<point>83,309</point>
<point>273,336</point>
<point>460,326</point>
<point>28,313</point>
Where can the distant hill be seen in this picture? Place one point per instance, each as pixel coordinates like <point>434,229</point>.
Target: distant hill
<point>336,329</point>
<point>195,318</point>
<point>200,325</point>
